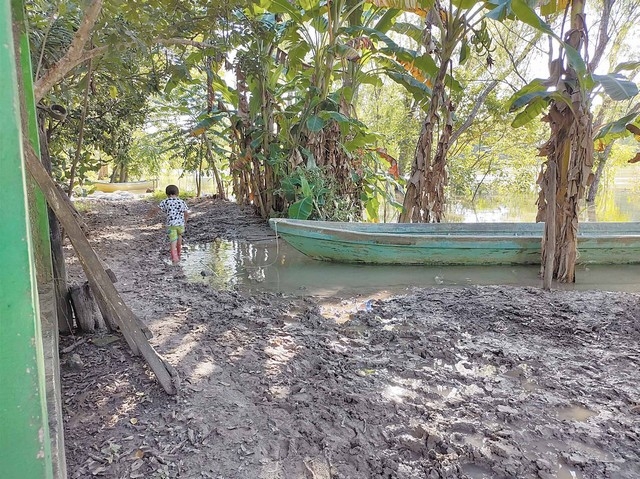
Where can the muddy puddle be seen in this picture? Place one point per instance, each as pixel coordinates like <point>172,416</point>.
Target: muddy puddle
<point>274,266</point>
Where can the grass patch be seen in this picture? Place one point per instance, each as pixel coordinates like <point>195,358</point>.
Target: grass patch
<point>158,195</point>
<point>82,206</point>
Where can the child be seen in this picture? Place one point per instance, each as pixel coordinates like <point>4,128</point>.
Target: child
<point>177,213</point>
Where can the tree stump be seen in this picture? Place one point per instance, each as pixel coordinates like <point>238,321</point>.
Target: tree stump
<point>89,319</point>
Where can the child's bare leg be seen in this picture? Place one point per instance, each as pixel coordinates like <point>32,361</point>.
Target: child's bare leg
<point>175,239</point>
<point>175,257</point>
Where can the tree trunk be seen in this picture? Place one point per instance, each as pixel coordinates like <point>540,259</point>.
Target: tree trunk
<point>212,164</point>
<point>199,176</point>
<point>602,161</point>
<point>75,55</point>
<point>258,189</point>
<point>549,241</point>
<point>61,287</point>
<point>439,178</point>
<point>578,177</point>
<point>85,107</point>
<point>421,197</point>
<point>329,156</point>
<point>570,148</point>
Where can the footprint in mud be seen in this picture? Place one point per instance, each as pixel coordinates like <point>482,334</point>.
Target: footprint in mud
<point>319,467</point>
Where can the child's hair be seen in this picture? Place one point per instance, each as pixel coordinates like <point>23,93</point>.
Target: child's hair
<point>172,190</point>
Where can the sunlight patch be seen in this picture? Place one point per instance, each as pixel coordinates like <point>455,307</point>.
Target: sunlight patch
<point>397,393</point>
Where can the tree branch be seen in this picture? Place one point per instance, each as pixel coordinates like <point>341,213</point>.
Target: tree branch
<point>74,56</point>
<point>488,89</point>
<point>470,117</point>
<point>603,35</point>
<point>182,41</point>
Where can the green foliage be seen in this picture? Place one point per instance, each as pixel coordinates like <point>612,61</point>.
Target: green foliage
<point>50,42</point>
<point>532,90</point>
<point>465,4</point>
<point>617,86</point>
<point>107,132</point>
<point>311,194</point>
<point>532,95</point>
<point>178,137</point>
<point>301,209</point>
<point>158,195</point>
<point>626,66</point>
<point>315,123</point>
<point>525,13</point>
<point>530,112</point>
<point>493,158</point>
<point>379,191</point>
<point>618,128</point>
<point>151,102</point>
<point>391,111</point>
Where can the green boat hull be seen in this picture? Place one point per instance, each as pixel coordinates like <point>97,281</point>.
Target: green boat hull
<point>452,243</point>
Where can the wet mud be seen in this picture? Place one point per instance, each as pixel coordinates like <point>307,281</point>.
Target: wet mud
<point>473,382</point>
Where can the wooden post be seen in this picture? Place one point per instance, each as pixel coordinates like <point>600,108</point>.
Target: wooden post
<point>60,278</point>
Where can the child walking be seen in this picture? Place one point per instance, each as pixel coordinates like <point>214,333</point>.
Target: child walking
<point>177,213</point>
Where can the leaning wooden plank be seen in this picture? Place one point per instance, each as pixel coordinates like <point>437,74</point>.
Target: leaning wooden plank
<point>109,301</point>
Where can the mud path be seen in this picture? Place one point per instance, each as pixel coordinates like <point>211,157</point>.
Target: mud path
<point>483,382</point>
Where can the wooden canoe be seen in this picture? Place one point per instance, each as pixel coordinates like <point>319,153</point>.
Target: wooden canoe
<point>130,186</point>
<point>452,243</point>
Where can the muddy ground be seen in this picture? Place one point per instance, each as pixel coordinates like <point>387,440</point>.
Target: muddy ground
<point>476,382</point>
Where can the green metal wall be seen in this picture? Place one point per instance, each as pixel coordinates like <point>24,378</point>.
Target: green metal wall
<point>25,449</point>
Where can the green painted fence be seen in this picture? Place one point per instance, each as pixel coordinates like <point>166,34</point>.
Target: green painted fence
<point>25,446</point>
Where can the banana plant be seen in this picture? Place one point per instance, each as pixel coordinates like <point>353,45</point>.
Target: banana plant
<point>564,99</point>
<point>450,28</point>
<point>317,66</point>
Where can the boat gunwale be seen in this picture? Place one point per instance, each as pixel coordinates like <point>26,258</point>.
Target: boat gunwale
<point>306,229</point>
<point>329,242</point>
